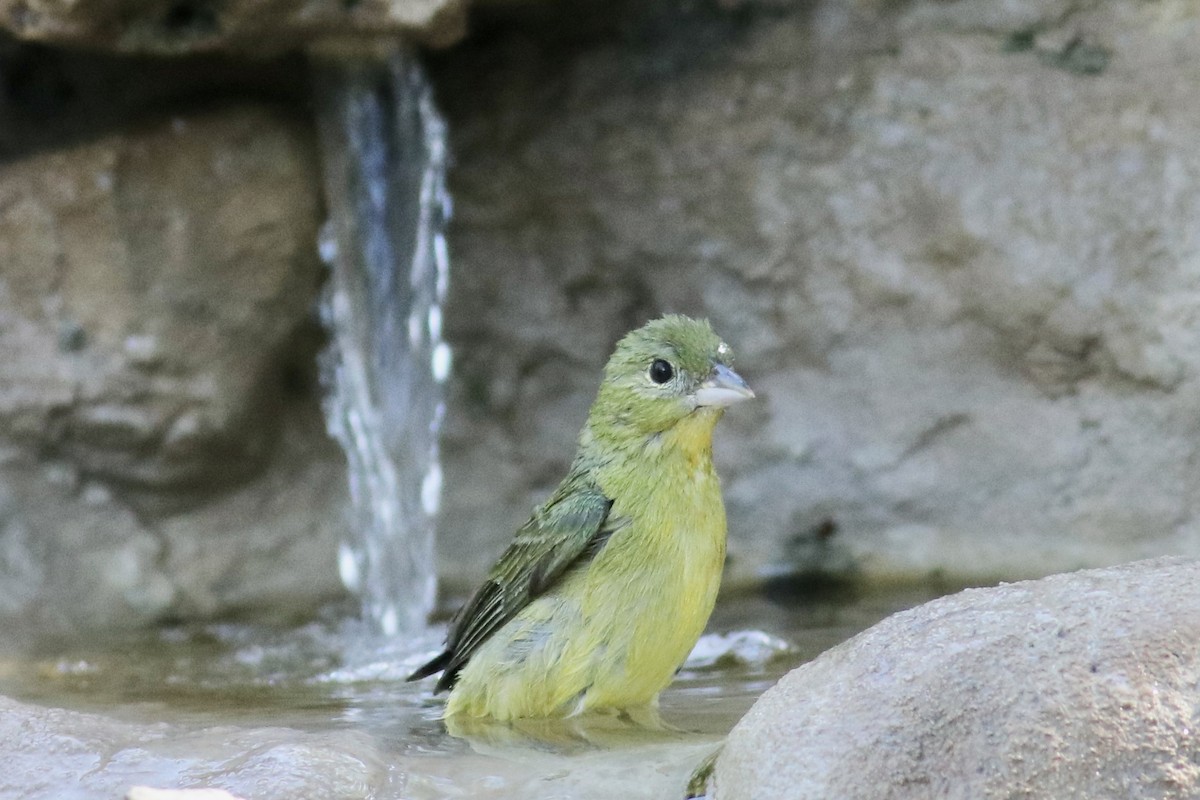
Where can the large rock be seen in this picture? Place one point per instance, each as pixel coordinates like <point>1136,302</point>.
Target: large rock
<point>1081,685</point>
<point>953,245</point>
<point>162,448</point>
<point>56,753</point>
<point>188,26</point>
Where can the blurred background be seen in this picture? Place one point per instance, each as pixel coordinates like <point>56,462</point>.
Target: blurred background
<point>953,244</point>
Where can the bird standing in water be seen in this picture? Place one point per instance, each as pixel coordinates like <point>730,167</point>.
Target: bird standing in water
<point>605,590</point>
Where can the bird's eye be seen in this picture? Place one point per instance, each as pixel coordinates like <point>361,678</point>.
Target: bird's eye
<point>661,371</point>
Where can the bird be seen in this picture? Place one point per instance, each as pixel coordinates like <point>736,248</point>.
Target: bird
<point>603,593</point>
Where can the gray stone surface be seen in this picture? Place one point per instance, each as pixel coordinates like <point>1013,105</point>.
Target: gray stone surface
<point>174,27</point>
<point>161,449</point>
<point>50,754</point>
<point>953,244</point>
<point>1075,686</point>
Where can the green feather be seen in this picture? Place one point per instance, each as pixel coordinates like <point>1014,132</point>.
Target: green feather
<point>568,529</point>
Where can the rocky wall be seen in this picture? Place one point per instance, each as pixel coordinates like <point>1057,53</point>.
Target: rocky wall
<point>163,452</point>
<point>953,244</point>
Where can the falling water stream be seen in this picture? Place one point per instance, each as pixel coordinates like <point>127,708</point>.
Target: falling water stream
<point>383,146</point>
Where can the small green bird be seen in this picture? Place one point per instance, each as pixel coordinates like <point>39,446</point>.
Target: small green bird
<point>605,590</point>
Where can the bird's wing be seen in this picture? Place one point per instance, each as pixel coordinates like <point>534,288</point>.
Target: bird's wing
<point>571,527</point>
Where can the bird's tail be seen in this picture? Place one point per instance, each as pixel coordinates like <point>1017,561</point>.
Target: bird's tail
<point>436,665</point>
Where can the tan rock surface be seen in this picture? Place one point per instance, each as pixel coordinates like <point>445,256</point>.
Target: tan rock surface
<point>1083,685</point>
<point>251,26</point>
<point>163,452</point>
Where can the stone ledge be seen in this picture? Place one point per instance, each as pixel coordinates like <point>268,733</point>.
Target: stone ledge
<point>177,27</point>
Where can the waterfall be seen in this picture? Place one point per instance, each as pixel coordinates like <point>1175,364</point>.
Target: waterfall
<point>383,147</point>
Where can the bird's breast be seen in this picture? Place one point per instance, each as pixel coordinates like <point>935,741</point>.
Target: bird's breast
<point>650,591</point>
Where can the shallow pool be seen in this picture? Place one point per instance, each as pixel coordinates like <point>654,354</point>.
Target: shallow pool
<point>232,705</point>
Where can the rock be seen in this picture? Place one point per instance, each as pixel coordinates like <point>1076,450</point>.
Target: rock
<point>57,98</point>
<point>55,753</point>
<point>171,27</point>
<point>1078,685</point>
<point>162,451</point>
<point>951,244</point>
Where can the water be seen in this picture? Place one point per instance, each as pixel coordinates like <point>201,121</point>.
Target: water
<point>283,713</point>
<point>384,151</point>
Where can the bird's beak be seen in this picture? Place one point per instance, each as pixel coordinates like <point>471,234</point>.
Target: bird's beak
<point>723,387</point>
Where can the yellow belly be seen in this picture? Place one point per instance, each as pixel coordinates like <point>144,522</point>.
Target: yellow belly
<point>614,632</point>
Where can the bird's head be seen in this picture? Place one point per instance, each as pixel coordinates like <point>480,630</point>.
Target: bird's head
<point>668,370</point>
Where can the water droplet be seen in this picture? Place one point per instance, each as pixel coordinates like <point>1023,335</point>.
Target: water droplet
<point>348,568</point>
<point>389,621</point>
<point>431,489</point>
<point>441,362</point>
<point>414,329</point>
<point>435,323</point>
<point>441,255</point>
